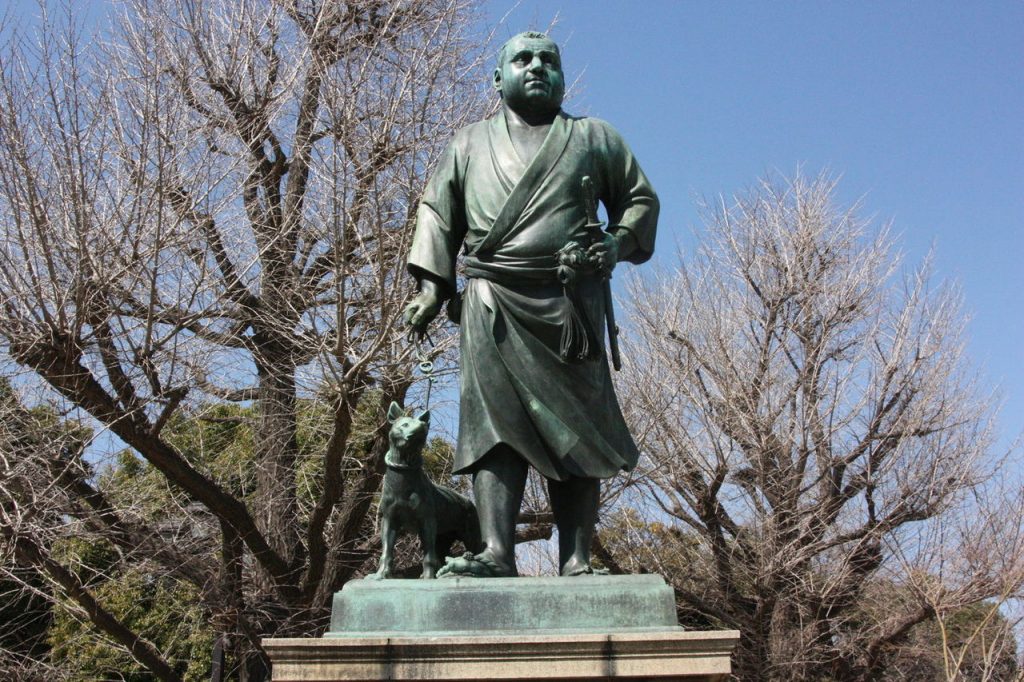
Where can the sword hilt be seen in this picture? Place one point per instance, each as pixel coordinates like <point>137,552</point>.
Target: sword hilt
<point>590,203</point>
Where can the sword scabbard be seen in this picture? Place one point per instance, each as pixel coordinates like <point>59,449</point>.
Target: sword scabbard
<point>595,228</point>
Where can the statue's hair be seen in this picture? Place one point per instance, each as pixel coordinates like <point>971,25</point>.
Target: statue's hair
<point>525,34</point>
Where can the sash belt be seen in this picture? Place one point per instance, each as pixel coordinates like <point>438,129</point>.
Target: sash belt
<point>512,272</point>
<point>579,341</point>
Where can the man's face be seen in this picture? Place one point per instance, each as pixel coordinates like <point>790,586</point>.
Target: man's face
<point>530,76</point>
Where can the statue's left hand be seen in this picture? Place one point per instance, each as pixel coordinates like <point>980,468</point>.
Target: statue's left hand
<point>603,255</point>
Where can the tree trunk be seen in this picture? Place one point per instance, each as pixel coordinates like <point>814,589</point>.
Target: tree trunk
<point>276,451</point>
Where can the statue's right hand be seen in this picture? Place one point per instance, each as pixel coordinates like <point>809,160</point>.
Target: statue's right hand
<point>422,311</point>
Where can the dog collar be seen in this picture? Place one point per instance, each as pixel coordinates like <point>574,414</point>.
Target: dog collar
<point>395,465</point>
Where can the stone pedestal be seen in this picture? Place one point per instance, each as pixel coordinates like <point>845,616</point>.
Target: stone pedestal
<point>582,628</point>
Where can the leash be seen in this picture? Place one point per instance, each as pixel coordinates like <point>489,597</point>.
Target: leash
<point>426,367</point>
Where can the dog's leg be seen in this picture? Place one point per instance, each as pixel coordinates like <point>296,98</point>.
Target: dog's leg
<point>428,542</point>
<point>443,544</point>
<point>388,534</point>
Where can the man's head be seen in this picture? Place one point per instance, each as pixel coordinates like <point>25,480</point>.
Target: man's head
<point>529,74</point>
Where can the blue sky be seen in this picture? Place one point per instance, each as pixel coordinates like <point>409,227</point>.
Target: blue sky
<point>918,107</point>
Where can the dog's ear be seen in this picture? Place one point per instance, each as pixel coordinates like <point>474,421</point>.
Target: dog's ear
<point>424,416</point>
<point>395,412</point>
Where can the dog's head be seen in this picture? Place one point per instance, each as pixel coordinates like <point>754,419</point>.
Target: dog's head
<point>408,435</point>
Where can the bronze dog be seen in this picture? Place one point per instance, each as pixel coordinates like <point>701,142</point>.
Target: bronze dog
<point>411,502</point>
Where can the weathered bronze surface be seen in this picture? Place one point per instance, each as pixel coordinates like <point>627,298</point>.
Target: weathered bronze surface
<point>411,503</point>
<point>439,608</point>
<point>536,388</point>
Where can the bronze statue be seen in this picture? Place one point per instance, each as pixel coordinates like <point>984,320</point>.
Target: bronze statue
<point>411,503</point>
<point>536,388</point>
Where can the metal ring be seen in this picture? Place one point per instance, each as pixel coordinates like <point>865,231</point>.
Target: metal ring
<point>426,367</point>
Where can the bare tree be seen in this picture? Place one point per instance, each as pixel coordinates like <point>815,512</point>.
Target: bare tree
<point>212,204</point>
<point>809,420</point>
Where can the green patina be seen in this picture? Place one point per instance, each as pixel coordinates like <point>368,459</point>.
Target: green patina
<point>536,390</point>
<point>456,606</point>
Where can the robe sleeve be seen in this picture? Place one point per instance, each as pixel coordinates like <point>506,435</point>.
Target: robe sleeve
<point>440,221</point>
<point>630,199</point>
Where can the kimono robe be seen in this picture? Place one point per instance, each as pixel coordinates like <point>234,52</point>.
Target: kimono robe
<point>511,218</point>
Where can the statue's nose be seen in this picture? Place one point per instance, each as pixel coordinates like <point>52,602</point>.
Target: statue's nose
<point>536,64</point>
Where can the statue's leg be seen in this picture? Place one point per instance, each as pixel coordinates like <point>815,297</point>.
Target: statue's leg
<point>499,480</point>
<point>574,503</point>
<point>388,534</point>
<point>428,542</point>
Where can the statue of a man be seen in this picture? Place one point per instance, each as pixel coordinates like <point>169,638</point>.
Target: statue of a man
<point>535,383</point>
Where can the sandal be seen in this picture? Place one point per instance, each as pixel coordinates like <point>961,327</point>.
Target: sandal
<point>472,566</point>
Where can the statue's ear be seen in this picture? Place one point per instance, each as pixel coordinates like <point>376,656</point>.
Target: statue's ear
<point>424,416</point>
<point>395,412</point>
<point>496,82</point>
